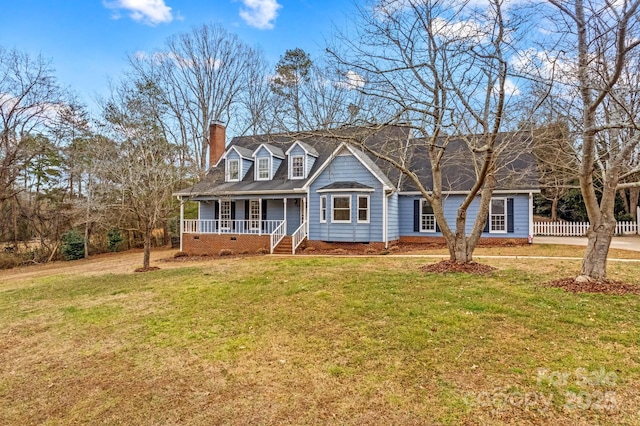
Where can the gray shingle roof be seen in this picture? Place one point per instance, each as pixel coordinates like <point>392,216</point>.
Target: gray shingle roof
<point>345,185</point>
<point>516,165</point>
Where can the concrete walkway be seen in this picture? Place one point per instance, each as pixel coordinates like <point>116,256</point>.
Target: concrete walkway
<point>631,242</point>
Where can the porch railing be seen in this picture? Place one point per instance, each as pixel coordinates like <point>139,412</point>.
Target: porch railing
<point>298,237</point>
<point>278,234</point>
<point>227,226</point>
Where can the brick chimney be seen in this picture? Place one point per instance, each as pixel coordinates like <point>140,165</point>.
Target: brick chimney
<point>217,142</point>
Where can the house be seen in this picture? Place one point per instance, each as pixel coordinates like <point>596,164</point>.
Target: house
<point>272,192</point>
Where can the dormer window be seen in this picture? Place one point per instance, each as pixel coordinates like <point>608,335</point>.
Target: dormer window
<point>263,168</point>
<point>297,167</point>
<point>233,170</point>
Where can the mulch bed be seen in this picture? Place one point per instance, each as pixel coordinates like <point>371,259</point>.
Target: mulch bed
<point>149,269</point>
<point>604,287</point>
<point>447,266</point>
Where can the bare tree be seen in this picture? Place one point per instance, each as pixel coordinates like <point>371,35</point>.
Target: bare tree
<point>441,68</point>
<point>601,86</point>
<point>139,161</point>
<point>29,99</point>
<point>202,76</point>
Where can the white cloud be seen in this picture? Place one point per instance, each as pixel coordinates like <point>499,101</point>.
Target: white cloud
<point>352,80</point>
<point>260,13</point>
<point>150,12</point>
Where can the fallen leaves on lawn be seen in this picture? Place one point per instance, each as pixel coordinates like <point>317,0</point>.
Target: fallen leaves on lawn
<point>447,266</point>
<point>604,287</point>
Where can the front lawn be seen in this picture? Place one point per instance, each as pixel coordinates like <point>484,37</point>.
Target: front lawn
<point>267,340</point>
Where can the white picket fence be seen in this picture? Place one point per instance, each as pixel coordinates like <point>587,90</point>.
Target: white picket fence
<point>578,229</point>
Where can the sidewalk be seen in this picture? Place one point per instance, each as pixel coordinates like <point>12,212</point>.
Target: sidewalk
<point>631,242</point>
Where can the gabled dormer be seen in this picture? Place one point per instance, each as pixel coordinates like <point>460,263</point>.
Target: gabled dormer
<point>301,158</point>
<point>237,162</point>
<point>267,158</point>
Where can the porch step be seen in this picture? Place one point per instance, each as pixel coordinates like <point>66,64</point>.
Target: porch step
<point>284,247</point>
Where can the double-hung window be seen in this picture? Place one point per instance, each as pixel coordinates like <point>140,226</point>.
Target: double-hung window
<point>498,215</point>
<point>363,209</point>
<point>323,209</point>
<point>341,206</point>
<point>427,218</point>
<point>297,167</point>
<point>263,169</point>
<point>233,170</point>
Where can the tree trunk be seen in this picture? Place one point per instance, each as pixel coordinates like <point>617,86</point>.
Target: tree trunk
<point>459,249</point>
<point>594,264</point>
<point>147,250</point>
<point>554,209</point>
<point>634,195</point>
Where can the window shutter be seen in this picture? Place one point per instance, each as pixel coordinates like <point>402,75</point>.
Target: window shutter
<point>510,224</point>
<point>264,215</point>
<point>216,210</point>
<point>437,226</point>
<point>246,209</point>
<point>416,215</point>
<point>486,225</point>
<point>233,215</point>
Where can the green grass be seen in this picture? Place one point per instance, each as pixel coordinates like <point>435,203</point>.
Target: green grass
<point>319,340</point>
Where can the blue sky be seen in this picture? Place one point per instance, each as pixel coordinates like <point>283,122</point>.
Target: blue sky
<point>88,40</point>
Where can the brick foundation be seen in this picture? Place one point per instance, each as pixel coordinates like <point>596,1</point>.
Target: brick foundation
<point>347,247</point>
<point>212,244</point>
<point>483,242</point>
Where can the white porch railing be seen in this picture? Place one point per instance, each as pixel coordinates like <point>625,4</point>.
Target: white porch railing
<point>577,229</point>
<point>223,226</point>
<point>298,237</point>
<point>278,234</point>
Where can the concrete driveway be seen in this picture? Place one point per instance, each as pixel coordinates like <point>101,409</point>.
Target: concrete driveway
<point>631,242</point>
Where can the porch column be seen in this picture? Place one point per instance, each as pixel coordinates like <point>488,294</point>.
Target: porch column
<point>531,217</point>
<point>181,220</point>
<point>284,201</point>
<point>219,211</point>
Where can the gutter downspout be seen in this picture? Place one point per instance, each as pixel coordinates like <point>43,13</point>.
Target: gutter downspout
<point>385,220</point>
<point>181,219</point>
<point>530,239</point>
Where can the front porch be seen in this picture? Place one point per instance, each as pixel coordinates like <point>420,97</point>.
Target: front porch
<point>209,236</point>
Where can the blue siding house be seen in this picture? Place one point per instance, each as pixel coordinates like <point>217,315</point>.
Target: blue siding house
<point>276,192</point>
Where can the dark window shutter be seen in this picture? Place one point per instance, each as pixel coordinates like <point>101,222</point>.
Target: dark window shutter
<point>486,225</point>
<point>246,209</point>
<point>216,210</point>
<point>264,215</point>
<point>510,224</point>
<point>233,215</point>
<point>416,215</point>
<point>437,227</point>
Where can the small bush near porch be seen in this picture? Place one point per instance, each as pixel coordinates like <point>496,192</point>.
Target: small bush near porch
<point>266,340</point>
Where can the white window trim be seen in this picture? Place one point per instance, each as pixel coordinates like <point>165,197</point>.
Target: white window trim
<point>323,209</point>
<point>268,159</point>
<point>422,214</point>
<point>506,226</point>
<point>333,197</point>
<point>368,209</point>
<point>304,166</point>
<point>228,168</point>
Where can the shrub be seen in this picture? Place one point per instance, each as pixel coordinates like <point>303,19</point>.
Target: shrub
<point>262,251</point>
<point>245,251</point>
<point>8,260</point>
<point>225,252</point>
<point>72,245</point>
<point>180,254</point>
<point>115,238</point>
